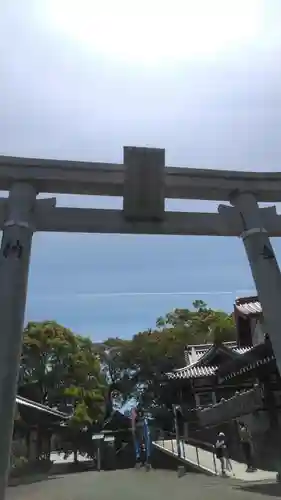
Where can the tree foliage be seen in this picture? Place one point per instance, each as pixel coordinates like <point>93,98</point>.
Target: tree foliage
<point>62,370</point>
<point>135,367</point>
<point>71,373</point>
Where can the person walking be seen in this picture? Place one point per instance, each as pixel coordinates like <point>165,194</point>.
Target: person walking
<point>228,464</point>
<point>220,447</point>
<point>247,446</point>
<point>179,430</point>
<point>141,438</point>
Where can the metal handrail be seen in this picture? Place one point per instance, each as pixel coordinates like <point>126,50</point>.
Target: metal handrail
<point>178,448</point>
<point>198,442</point>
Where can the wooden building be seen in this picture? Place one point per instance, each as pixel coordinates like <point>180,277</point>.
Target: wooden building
<point>255,367</point>
<point>34,426</point>
<point>196,385</point>
<point>233,381</point>
<point>221,382</point>
<point>249,321</point>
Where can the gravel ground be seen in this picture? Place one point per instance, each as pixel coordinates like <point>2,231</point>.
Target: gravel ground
<point>139,485</point>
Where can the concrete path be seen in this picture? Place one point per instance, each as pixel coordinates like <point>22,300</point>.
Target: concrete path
<point>207,462</point>
<point>140,485</point>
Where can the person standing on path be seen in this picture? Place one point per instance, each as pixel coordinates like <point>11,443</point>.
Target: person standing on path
<point>179,428</point>
<point>221,451</point>
<point>247,446</point>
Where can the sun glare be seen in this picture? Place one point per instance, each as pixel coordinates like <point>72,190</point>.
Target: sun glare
<point>155,30</point>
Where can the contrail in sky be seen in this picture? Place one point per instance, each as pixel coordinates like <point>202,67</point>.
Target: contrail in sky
<point>136,294</point>
<point>85,295</point>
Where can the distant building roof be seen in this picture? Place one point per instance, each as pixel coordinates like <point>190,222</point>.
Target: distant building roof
<point>193,372</point>
<point>203,354</point>
<point>200,358</point>
<point>258,355</point>
<point>195,352</point>
<point>248,306</point>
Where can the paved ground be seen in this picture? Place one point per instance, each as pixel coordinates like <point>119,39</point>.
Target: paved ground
<point>139,485</point>
<point>207,461</point>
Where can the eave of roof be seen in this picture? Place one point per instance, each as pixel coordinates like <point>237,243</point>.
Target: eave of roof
<point>258,355</point>
<point>200,369</point>
<point>248,368</point>
<point>248,306</point>
<point>39,407</point>
<point>193,372</point>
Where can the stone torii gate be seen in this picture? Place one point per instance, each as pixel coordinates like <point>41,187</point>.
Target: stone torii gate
<point>144,182</point>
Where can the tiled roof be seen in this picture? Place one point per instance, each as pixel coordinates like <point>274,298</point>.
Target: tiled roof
<point>196,351</point>
<point>192,372</point>
<point>249,367</point>
<point>197,370</point>
<point>258,355</point>
<point>248,306</point>
<point>242,350</point>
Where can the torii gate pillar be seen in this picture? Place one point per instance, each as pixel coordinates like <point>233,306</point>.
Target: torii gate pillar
<point>14,266</point>
<point>263,263</point>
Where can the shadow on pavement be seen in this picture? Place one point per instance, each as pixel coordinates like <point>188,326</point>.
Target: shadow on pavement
<point>31,480</point>
<point>57,470</point>
<point>269,489</point>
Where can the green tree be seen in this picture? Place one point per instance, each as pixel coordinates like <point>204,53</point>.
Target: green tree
<point>199,325</point>
<point>140,363</point>
<point>117,371</point>
<point>86,382</point>
<point>48,350</point>
<point>63,370</point>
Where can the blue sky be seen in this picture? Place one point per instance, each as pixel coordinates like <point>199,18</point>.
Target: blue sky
<point>82,79</point>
